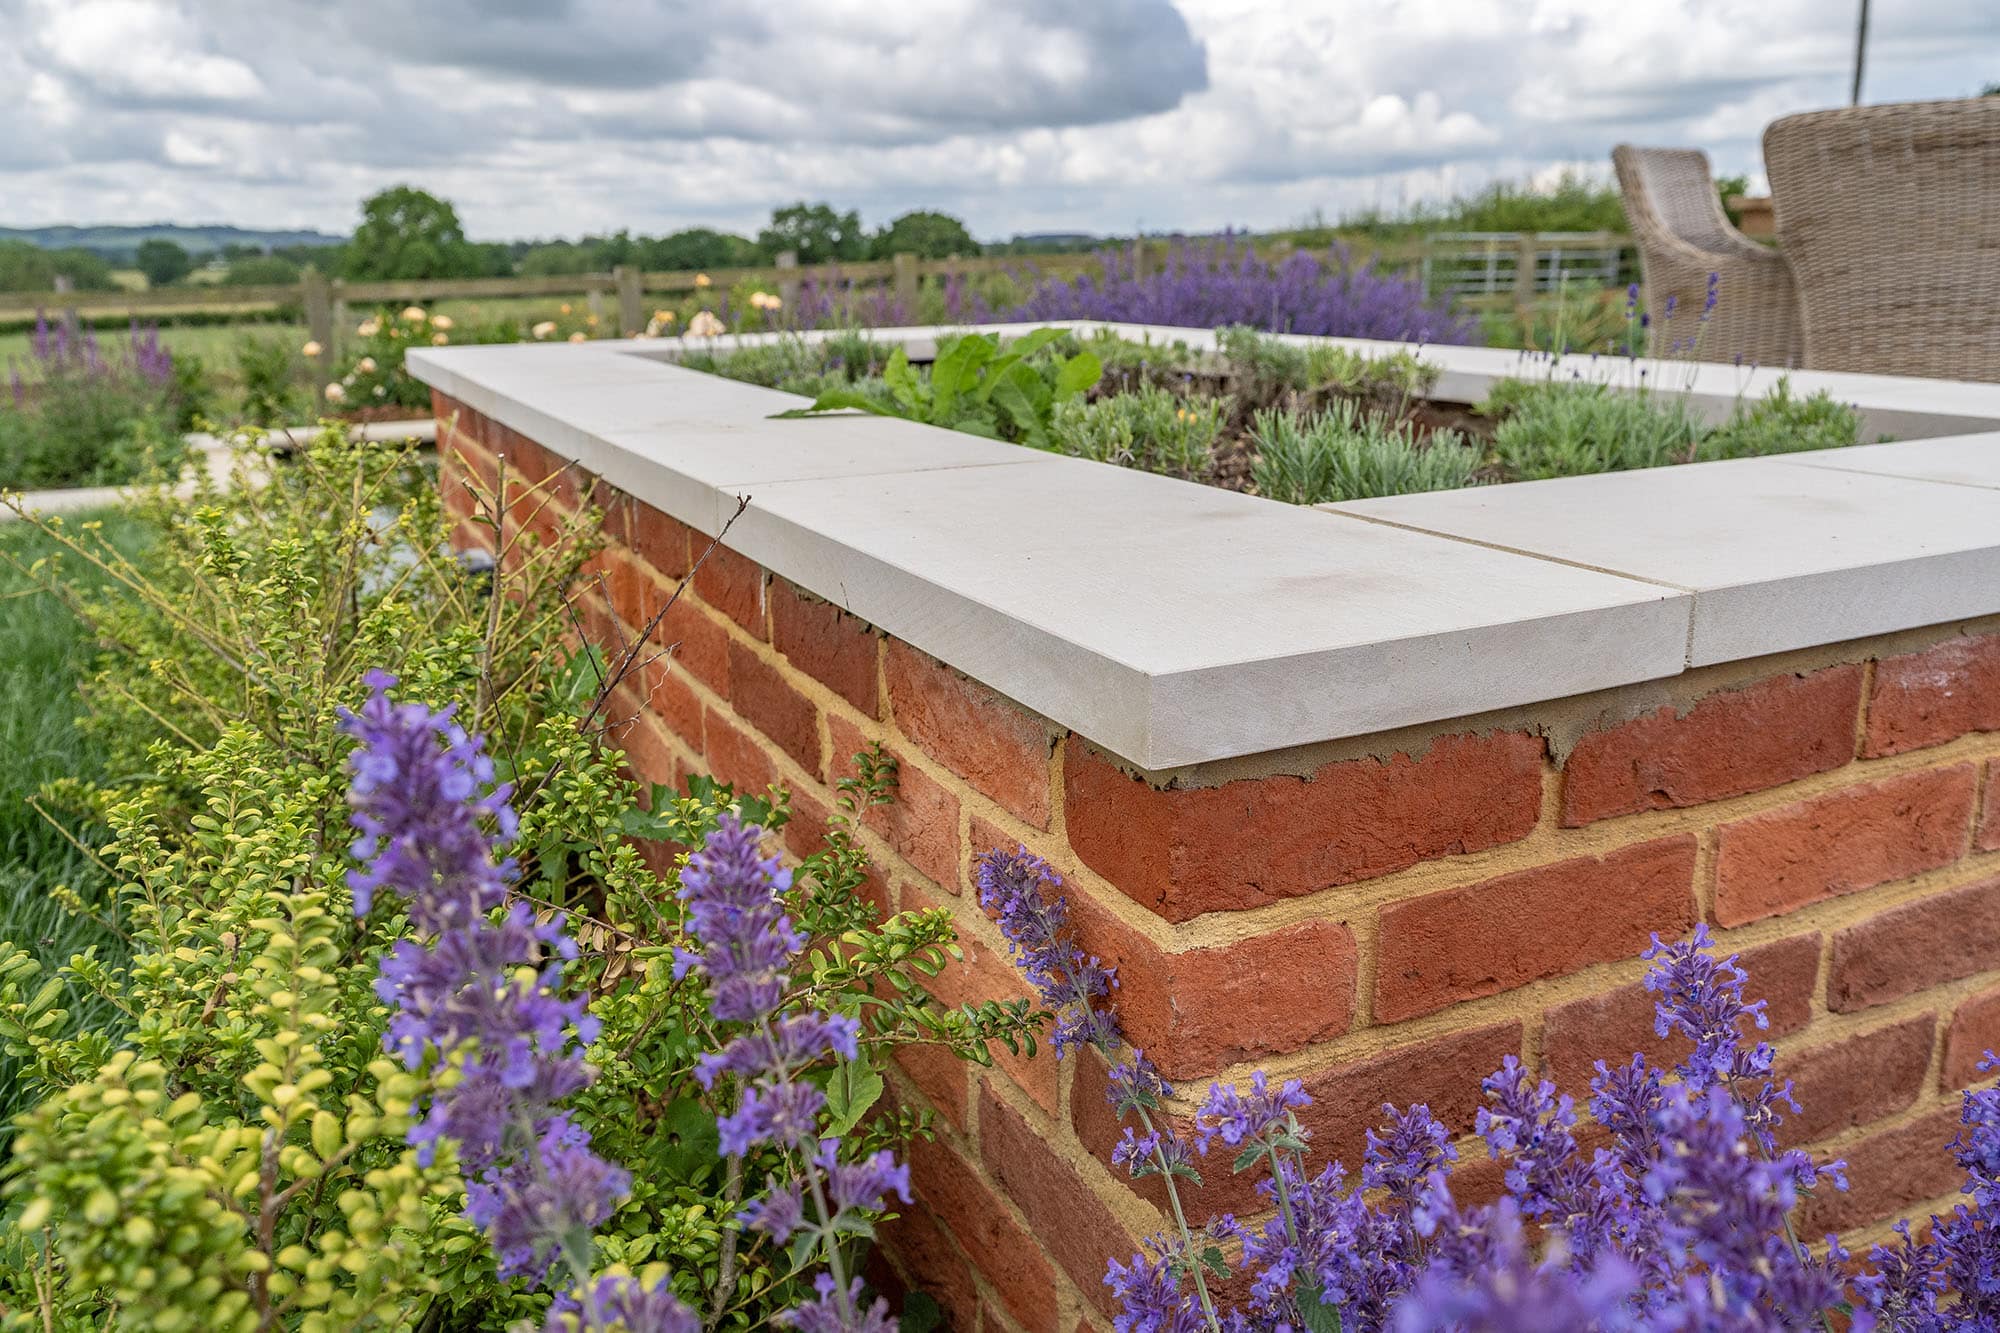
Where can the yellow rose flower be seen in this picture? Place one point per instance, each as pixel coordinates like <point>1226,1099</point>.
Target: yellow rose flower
<point>311,349</point>
<point>414,313</point>
<point>544,329</point>
<point>440,321</point>
<point>335,393</point>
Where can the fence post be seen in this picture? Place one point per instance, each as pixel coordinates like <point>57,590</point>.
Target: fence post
<point>593,303</point>
<point>904,277</point>
<point>317,297</point>
<point>1524,269</point>
<point>788,282</point>
<point>631,300</point>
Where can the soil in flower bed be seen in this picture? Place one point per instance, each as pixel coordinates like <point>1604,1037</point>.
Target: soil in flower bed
<point>1303,424</point>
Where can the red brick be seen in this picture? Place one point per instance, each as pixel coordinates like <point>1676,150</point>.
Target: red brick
<point>732,585</point>
<point>734,756</point>
<point>1184,851</point>
<point>1841,842</point>
<point>1442,1073</point>
<point>1856,1080</point>
<point>663,690</point>
<point>1930,697</point>
<point>648,752</point>
<point>1199,1010</point>
<point>1888,1172</point>
<point>696,644</point>
<point>1000,1247</point>
<point>1612,1026</point>
<point>984,737</point>
<point>930,1262</point>
<point>1775,731</point>
<point>1988,838</point>
<point>661,540</point>
<point>979,974</point>
<point>1062,1208</point>
<point>761,696</point>
<point>1910,948</point>
<point>941,1076</point>
<point>820,639</point>
<point>1975,1030</point>
<point>1484,938</point>
<point>921,823</point>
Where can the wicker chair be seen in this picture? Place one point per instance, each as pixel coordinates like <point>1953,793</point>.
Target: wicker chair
<point>1684,236</point>
<point>1890,218</point>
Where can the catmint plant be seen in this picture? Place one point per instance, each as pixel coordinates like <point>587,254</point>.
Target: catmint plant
<point>478,999</point>
<point>1681,1222</point>
<point>732,892</point>
<point>1209,282</point>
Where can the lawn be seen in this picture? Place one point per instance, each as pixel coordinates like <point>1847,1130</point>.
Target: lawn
<point>44,653</point>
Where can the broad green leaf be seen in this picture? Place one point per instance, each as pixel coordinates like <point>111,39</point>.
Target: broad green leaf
<point>1078,374</point>
<point>957,370</point>
<point>852,1089</point>
<point>1030,343</point>
<point>904,384</point>
<point>1317,1317</point>
<point>838,400</point>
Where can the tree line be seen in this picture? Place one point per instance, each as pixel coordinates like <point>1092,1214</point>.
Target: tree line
<point>410,233</point>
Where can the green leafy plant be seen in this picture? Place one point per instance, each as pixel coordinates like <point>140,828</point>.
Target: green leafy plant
<point>976,385</point>
<point>230,1150</point>
<point>1268,371</point>
<point>1153,429</point>
<point>1567,429</point>
<point>273,391</point>
<point>1346,454</point>
<point>1780,423</point>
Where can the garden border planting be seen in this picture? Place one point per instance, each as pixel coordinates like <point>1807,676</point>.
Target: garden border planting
<point>1381,913</point>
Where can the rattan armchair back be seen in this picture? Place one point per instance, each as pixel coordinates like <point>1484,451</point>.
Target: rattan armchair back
<point>1890,218</point>
<point>1683,236</point>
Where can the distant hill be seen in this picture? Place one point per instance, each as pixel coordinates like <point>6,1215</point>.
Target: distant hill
<point>118,243</point>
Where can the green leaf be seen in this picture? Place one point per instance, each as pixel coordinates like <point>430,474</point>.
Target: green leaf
<point>838,400</point>
<point>687,1133</point>
<point>904,385</point>
<point>957,370</point>
<point>920,1314</point>
<point>1078,374</point>
<point>852,1089</point>
<point>1213,1260</point>
<point>1316,1316</point>
<point>1030,343</point>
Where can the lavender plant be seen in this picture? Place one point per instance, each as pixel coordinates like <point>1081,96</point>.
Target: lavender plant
<point>1681,1222</point>
<point>81,414</point>
<point>481,1000</point>
<point>1209,283</point>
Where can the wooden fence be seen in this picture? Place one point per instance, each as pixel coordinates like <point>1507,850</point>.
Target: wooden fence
<point>1476,269</point>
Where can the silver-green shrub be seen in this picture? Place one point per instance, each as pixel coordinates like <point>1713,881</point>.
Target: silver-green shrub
<point>1153,428</point>
<point>1346,454</point>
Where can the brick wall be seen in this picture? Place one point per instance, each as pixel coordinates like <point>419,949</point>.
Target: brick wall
<point>1385,917</point>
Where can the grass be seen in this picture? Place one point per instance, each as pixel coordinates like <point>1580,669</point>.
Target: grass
<point>43,651</point>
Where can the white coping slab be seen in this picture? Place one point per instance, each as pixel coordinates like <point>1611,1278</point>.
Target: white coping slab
<point>1175,623</point>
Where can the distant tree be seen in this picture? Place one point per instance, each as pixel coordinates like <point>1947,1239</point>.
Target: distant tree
<point>699,248</point>
<point>25,267</point>
<point>925,234</point>
<point>814,232</point>
<point>162,261</point>
<point>410,233</point>
<point>255,270</point>
<point>558,257</point>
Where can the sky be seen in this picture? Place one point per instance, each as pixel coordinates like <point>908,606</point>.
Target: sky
<point>542,118</point>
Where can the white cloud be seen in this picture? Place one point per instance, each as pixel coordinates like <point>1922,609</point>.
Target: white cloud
<point>546,117</point>
<point>141,49</point>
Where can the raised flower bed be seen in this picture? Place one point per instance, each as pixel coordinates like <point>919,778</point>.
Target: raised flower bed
<point>1440,763</point>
